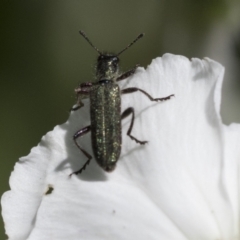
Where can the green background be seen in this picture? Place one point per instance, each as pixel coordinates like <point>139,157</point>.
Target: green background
<point>43,57</point>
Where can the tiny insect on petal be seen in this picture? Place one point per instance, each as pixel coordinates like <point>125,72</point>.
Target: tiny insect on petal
<point>105,109</point>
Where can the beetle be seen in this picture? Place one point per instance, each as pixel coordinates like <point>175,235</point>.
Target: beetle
<point>105,109</point>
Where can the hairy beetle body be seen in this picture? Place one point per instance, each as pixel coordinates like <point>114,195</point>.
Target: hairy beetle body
<point>105,110</point>
<point>105,113</point>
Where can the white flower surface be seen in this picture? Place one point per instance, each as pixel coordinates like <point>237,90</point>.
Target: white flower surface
<point>184,184</point>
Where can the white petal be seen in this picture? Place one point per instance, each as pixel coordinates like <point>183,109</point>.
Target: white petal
<point>182,185</point>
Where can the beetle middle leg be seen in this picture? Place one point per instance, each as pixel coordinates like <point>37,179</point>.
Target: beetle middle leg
<point>78,134</point>
<point>133,89</point>
<point>126,113</point>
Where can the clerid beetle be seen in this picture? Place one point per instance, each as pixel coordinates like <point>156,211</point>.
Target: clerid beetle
<point>105,109</point>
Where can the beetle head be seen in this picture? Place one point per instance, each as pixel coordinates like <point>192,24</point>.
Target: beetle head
<point>107,64</point>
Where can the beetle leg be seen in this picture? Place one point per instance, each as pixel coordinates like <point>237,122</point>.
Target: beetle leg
<point>128,73</point>
<point>82,92</point>
<point>77,135</point>
<point>126,113</point>
<point>133,89</point>
<point>79,105</point>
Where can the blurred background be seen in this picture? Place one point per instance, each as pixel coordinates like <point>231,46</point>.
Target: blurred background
<point>43,57</point>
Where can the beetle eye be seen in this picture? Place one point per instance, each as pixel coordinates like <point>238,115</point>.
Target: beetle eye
<point>115,63</point>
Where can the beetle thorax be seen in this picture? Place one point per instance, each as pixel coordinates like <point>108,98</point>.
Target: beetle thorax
<point>107,67</point>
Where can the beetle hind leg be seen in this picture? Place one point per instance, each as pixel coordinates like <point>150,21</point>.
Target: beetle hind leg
<point>80,133</point>
<point>126,113</point>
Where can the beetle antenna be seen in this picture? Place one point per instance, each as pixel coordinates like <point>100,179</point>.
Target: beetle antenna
<point>129,45</point>
<point>85,36</point>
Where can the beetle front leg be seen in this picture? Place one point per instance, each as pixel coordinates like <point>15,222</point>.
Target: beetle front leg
<point>82,92</point>
<point>128,73</point>
<point>133,89</point>
<point>126,113</point>
<point>78,134</point>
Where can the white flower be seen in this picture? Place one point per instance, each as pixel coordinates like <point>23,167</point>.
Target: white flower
<point>184,184</point>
